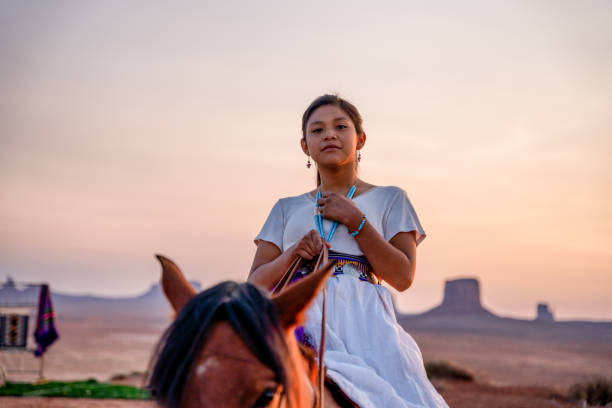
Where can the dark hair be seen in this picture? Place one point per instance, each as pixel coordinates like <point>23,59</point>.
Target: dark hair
<point>335,100</point>
<point>251,314</point>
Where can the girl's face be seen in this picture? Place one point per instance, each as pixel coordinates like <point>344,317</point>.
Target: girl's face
<point>331,138</point>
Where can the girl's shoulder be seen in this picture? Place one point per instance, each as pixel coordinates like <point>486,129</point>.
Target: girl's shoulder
<point>370,192</point>
<point>297,198</point>
<point>383,198</point>
<point>288,204</point>
<point>385,192</point>
<point>366,188</point>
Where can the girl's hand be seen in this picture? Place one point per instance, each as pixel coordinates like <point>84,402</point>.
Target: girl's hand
<point>336,207</point>
<point>309,246</point>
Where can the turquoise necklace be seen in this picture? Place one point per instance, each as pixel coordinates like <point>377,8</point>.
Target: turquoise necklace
<point>319,219</point>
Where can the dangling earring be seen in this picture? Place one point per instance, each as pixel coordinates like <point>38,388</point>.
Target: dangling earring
<point>359,156</point>
<point>308,162</point>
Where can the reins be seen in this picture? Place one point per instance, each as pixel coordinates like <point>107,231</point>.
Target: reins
<point>287,277</point>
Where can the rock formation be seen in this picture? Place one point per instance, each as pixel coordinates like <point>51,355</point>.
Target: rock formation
<point>151,305</point>
<point>461,311</point>
<point>461,296</point>
<point>544,313</point>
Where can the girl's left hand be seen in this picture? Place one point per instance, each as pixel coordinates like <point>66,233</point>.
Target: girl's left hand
<point>336,207</point>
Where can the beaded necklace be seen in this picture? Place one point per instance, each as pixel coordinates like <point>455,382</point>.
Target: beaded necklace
<point>319,219</point>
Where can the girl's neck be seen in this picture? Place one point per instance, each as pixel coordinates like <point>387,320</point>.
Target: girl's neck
<point>338,180</point>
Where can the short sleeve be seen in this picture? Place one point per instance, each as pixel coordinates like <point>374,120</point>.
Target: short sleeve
<point>274,227</point>
<point>401,217</point>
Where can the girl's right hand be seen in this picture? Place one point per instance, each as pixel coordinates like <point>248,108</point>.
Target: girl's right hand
<point>309,246</point>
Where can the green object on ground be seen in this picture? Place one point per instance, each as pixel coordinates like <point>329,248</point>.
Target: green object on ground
<point>73,389</point>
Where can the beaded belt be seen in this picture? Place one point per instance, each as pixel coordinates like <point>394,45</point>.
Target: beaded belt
<point>355,265</point>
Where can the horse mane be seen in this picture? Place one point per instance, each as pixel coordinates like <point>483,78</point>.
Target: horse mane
<point>250,313</point>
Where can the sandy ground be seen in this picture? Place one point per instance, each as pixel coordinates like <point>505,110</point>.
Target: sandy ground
<point>101,349</point>
<point>456,394</point>
<point>93,349</point>
<point>474,395</point>
<point>505,360</point>
<point>507,368</point>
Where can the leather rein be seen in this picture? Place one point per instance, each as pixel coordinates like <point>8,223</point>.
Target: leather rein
<point>284,281</point>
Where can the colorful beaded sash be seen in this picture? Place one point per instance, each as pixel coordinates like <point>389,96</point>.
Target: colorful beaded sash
<point>355,265</point>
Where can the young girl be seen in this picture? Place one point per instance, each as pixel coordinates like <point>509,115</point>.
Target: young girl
<point>367,353</point>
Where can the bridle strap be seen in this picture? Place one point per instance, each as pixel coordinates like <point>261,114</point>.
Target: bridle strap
<point>287,277</point>
<point>293,268</point>
<point>322,352</point>
<point>323,259</point>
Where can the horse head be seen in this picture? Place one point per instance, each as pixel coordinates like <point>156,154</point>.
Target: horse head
<point>233,346</point>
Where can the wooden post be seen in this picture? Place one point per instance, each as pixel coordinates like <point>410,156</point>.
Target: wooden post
<point>41,377</point>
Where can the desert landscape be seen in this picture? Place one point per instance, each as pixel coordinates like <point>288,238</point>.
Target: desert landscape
<point>515,363</point>
<point>190,129</point>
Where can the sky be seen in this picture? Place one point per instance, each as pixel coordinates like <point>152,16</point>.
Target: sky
<point>134,128</point>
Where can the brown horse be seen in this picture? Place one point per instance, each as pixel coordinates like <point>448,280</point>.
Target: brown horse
<point>233,346</point>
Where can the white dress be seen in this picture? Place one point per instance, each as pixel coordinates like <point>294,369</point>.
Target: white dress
<point>367,353</point>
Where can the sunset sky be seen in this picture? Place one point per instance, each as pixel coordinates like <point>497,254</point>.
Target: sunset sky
<point>131,128</point>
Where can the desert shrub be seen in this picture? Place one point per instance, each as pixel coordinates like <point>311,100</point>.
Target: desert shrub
<point>444,369</point>
<point>596,391</point>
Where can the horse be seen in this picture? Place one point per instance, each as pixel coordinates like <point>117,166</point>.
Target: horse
<point>233,345</point>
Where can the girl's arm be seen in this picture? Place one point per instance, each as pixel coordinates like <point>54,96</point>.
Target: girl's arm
<point>270,264</point>
<point>392,261</point>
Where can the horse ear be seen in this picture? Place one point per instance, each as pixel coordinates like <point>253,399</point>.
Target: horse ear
<point>176,288</point>
<point>293,301</point>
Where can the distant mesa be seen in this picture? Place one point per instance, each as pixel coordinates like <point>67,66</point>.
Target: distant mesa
<point>544,313</point>
<point>461,296</point>
<point>462,311</point>
<point>148,306</point>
